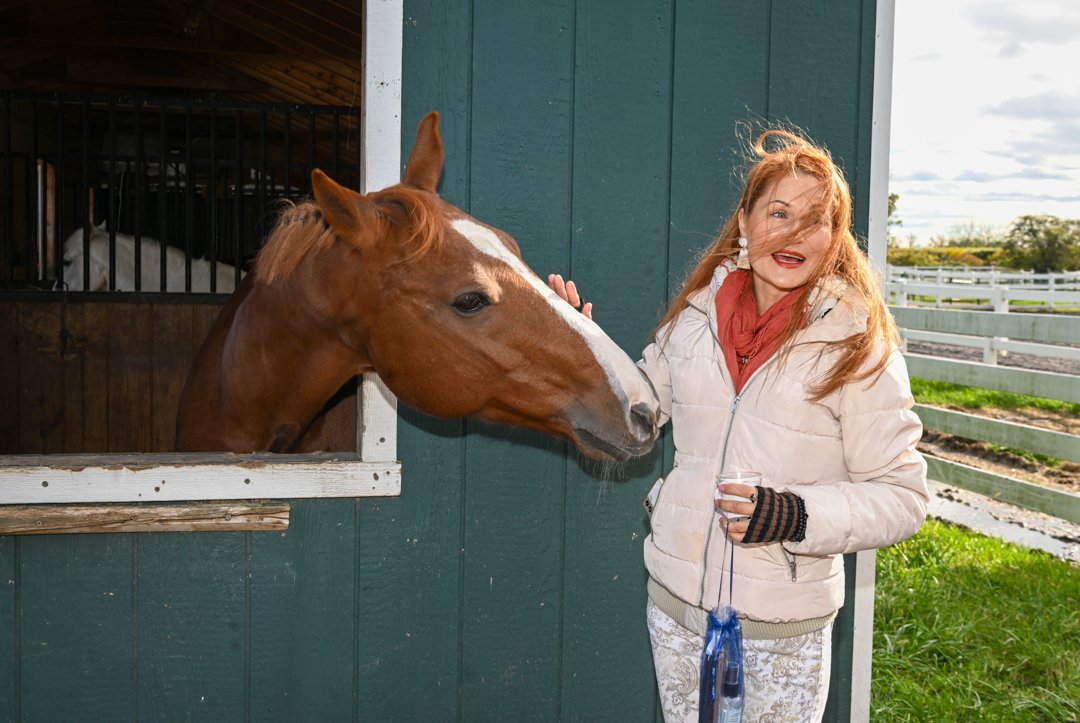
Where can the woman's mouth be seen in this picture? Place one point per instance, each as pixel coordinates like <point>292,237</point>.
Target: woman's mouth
<point>788,259</point>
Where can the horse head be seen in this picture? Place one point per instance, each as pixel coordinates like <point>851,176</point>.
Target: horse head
<point>444,309</point>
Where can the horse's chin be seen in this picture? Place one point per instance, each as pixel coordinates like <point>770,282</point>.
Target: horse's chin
<point>599,448</point>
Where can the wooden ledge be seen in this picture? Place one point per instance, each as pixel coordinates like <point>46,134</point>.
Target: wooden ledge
<point>201,517</point>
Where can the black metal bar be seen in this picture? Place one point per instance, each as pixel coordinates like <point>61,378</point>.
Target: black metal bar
<point>288,154</point>
<point>140,170</point>
<point>211,197</point>
<point>115,189</point>
<point>190,210</point>
<point>9,197</point>
<point>312,136</point>
<point>39,215</point>
<point>82,206</point>
<point>58,194</point>
<point>163,181</point>
<point>238,222</point>
<point>128,205</point>
<point>263,224</point>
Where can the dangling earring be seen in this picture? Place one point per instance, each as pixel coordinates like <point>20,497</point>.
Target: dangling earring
<point>743,262</point>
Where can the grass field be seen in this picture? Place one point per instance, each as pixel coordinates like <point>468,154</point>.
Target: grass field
<point>943,393</point>
<point>970,628</point>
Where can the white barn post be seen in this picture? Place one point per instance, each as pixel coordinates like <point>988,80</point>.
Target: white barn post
<point>380,166</point>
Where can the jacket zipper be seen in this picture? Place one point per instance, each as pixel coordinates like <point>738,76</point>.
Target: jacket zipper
<point>723,460</point>
<point>709,533</point>
<point>790,557</point>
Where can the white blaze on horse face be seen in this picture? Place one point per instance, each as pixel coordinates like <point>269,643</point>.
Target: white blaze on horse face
<point>624,377</point>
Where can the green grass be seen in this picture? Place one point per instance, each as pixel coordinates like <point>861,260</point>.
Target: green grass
<point>943,393</point>
<point>970,628</point>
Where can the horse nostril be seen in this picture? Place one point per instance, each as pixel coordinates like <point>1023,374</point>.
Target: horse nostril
<point>644,416</point>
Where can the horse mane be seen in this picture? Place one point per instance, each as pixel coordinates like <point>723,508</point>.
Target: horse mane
<point>302,230</point>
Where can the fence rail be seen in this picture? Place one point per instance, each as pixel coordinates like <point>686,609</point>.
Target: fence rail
<point>1041,334</point>
<point>988,275</point>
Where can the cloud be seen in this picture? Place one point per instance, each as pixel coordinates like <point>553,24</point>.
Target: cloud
<point>1030,173</point>
<point>1021,197</point>
<point>917,176</point>
<point>1013,25</point>
<point>1047,105</point>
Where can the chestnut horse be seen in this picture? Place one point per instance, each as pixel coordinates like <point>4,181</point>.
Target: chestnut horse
<point>439,304</point>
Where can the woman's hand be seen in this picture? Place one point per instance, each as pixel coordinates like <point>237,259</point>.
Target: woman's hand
<point>771,516</point>
<point>739,510</point>
<point>568,292</point>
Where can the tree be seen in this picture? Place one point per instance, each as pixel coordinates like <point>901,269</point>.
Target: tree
<point>969,234</point>
<point>892,221</point>
<point>1043,243</point>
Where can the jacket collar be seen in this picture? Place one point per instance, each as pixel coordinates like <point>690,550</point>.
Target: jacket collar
<point>826,296</point>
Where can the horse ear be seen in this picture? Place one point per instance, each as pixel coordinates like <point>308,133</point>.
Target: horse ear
<point>343,208</point>
<point>426,160</point>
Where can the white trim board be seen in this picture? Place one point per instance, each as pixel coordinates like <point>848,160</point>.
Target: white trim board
<point>114,478</point>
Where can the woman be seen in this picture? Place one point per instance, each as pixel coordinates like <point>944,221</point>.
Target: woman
<point>778,356</point>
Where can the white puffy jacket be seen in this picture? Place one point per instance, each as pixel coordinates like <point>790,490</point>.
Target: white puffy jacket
<point>850,456</point>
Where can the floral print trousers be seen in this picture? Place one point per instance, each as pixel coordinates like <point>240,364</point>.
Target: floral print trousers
<point>786,680</point>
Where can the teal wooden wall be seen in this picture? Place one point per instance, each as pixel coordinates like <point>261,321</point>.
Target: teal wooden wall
<point>506,582</point>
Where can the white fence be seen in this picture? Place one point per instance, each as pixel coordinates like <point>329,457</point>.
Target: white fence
<point>980,287</point>
<point>1047,335</point>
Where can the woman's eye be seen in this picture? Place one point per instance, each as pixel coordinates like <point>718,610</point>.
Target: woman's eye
<point>471,302</point>
<point>779,214</point>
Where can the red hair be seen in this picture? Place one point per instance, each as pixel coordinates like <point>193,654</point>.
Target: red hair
<point>779,152</point>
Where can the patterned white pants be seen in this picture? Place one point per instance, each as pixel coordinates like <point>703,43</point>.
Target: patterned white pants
<point>787,680</point>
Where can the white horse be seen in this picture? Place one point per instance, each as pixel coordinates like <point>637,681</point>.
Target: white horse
<point>150,261</point>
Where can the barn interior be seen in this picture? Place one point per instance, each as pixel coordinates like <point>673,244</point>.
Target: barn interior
<point>179,120</point>
<point>175,124</point>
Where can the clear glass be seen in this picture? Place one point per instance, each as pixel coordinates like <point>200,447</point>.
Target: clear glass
<point>738,476</point>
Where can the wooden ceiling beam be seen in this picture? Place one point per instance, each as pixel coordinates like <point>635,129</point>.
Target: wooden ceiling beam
<point>129,42</point>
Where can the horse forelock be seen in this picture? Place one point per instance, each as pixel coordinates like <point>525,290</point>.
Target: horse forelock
<point>427,224</point>
<point>301,230</point>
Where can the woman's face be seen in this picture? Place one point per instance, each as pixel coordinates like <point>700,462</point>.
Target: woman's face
<point>779,213</point>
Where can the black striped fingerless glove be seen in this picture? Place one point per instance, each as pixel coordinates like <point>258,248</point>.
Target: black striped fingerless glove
<point>778,517</point>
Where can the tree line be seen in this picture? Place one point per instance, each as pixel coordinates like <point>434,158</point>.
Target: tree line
<point>1035,242</point>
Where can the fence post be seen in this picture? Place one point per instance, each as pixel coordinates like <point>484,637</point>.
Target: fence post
<point>999,299</point>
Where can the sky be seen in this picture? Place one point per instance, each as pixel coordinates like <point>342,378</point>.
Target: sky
<point>985,120</point>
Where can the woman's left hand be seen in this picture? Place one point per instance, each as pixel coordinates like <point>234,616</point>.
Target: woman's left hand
<point>739,509</point>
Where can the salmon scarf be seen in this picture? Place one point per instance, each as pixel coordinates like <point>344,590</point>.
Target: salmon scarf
<point>748,340</point>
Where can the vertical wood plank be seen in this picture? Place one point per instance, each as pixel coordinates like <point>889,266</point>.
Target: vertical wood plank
<point>76,631</point>
<point>523,96</point>
<point>9,632</point>
<point>171,353</point>
<point>130,408</point>
<point>41,379</point>
<point>192,626</point>
<point>409,556</point>
<point>93,345</point>
<point>817,85</point>
<point>622,141</point>
<point>9,377</point>
<point>720,83</point>
<point>72,360</point>
<point>302,616</point>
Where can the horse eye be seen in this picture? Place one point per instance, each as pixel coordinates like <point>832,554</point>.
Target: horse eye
<point>471,302</point>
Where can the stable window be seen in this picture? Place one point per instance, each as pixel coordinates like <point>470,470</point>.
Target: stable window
<point>87,479</point>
